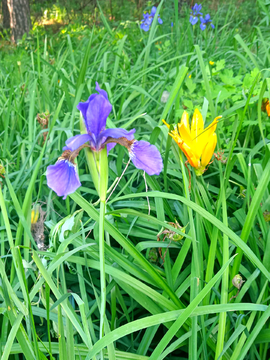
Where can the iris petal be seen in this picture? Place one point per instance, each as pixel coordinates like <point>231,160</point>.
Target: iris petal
<point>76,141</point>
<point>146,157</point>
<point>95,112</point>
<point>115,133</point>
<point>63,178</point>
<point>145,26</point>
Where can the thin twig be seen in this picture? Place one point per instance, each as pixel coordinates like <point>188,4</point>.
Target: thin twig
<point>118,181</point>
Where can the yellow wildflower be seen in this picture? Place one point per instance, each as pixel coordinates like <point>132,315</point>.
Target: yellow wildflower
<point>34,214</point>
<point>198,144</point>
<point>211,62</point>
<point>189,76</point>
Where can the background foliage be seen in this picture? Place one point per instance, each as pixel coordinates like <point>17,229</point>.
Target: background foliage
<point>171,298</point>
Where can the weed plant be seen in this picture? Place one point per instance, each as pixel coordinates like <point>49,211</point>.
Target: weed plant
<point>187,260</point>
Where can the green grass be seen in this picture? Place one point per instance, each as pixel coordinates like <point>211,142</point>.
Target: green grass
<point>181,305</point>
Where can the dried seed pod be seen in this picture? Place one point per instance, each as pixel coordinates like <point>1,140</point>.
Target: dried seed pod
<point>238,281</point>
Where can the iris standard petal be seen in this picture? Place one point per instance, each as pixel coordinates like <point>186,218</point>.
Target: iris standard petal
<point>209,150</point>
<point>96,111</point>
<point>153,11</point>
<point>101,91</point>
<point>114,133</point>
<point>63,178</point>
<point>76,141</point>
<point>146,157</point>
<point>83,106</point>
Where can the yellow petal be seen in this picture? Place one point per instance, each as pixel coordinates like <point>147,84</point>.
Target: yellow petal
<point>197,124</point>
<point>185,134</point>
<point>164,122</point>
<point>34,216</point>
<point>204,136</point>
<point>185,121</point>
<point>209,150</point>
<point>191,157</point>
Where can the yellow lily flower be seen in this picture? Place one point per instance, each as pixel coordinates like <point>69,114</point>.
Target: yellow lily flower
<point>198,144</point>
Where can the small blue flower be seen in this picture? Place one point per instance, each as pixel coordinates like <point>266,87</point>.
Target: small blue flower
<point>148,19</point>
<point>196,9</point>
<point>195,14</point>
<point>205,21</point>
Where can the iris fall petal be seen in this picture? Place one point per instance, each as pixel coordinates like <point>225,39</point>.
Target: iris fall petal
<point>146,157</point>
<point>63,178</point>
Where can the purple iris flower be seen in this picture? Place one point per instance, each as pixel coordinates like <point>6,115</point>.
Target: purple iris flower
<point>205,21</point>
<point>195,14</point>
<point>148,19</point>
<point>63,177</point>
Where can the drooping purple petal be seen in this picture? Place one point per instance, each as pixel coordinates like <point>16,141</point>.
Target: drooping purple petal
<point>76,141</point>
<point>63,178</point>
<point>193,19</point>
<point>145,26</point>
<point>115,133</point>
<point>146,157</point>
<point>213,26</point>
<point>160,21</point>
<point>202,26</point>
<point>95,112</point>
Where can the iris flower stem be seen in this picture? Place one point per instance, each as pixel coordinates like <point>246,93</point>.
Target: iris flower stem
<point>102,267</point>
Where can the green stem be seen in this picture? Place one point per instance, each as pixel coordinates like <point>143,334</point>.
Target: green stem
<point>102,267</point>
<point>225,278</point>
<point>195,267</point>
